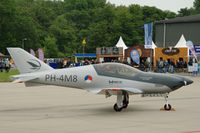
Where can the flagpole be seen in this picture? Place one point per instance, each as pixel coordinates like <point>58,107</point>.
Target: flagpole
<point>84,42</point>
<point>151,59</point>
<point>148,40</point>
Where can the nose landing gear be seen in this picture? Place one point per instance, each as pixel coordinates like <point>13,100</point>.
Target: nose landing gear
<point>167,106</point>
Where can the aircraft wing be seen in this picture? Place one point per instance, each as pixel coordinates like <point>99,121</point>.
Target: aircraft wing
<point>23,78</point>
<point>113,90</point>
<point>130,90</point>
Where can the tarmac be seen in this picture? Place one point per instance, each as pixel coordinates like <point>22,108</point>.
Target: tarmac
<point>53,109</point>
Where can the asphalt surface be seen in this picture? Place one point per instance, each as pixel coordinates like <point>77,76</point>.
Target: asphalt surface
<point>53,109</point>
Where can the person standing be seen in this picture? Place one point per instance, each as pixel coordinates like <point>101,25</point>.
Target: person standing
<point>195,68</point>
<point>147,65</point>
<point>166,66</point>
<point>1,65</point>
<point>68,63</point>
<point>7,65</point>
<point>157,65</point>
<point>86,62</point>
<point>161,66</point>
<point>172,66</point>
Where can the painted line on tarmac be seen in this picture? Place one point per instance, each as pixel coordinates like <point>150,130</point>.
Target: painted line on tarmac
<point>192,132</point>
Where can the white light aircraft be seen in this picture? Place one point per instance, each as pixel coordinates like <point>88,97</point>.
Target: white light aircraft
<point>107,78</point>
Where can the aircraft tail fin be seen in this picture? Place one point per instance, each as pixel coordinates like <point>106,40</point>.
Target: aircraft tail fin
<point>27,63</point>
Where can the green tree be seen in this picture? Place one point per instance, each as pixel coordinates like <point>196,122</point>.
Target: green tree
<point>7,18</point>
<point>102,29</point>
<point>196,4</point>
<point>64,24</point>
<point>190,11</point>
<point>50,47</point>
<point>65,33</point>
<point>186,12</point>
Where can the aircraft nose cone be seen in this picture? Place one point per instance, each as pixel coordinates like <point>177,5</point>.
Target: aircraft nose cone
<point>188,81</point>
<point>178,82</point>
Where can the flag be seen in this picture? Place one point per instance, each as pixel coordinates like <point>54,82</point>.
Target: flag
<point>41,54</point>
<point>135,56</point>
<point>148,35</point>
<point>32,52</point>
<point>84,42</point>
<point>190,45</point>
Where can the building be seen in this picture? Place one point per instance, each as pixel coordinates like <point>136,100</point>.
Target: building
<point>171,54</point>
<point>85,56</point>
<point>109,54</point>
<point>168,32</point>
<point>144,53</point>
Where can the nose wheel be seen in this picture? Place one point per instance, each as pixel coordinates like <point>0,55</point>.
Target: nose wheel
<point>167,106</point>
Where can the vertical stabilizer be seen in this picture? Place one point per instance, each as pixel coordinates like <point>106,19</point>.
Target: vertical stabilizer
<point>27,63</point>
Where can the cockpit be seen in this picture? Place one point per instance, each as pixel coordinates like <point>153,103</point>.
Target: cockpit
<point>115,70</point>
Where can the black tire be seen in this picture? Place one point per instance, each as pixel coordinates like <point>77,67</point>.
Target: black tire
<point>116,108</point>
<point>169,107</point>
<point>125,104</point>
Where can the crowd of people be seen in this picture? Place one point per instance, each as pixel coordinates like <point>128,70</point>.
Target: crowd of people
<point>5,64</point>
<point>170,66</point>
<point>162,66</point>
<point>61,63</point>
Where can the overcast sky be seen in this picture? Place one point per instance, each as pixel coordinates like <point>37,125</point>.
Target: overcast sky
<point>172,5</point>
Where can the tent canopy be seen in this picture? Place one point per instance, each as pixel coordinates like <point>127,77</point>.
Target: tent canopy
<point>4,56</point>
<point>181,43</point>
<point>121,43</point>
<point>153,45</point>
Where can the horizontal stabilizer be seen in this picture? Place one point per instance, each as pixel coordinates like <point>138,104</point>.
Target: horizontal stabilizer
<point>31,84</point>
<point>23,78</point>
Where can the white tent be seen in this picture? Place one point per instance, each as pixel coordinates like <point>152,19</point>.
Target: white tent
<point>181,43</point>
<point>153,45</point>
<point>121,43</point>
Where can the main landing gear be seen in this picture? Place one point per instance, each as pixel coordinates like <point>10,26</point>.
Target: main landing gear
<point>167,106</point>
<point>122,101</point>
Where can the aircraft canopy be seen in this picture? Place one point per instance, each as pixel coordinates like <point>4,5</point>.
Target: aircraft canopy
<point>115,70</point>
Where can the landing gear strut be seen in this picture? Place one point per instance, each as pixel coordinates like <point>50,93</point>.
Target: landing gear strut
<point>167,106</point>
<point>126,99</point>
<point>122,101</point>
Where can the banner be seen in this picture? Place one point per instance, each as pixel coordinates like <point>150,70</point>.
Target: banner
<point>32,52</point>
<point>196,49</point>
<point>148,35</point>
<point>190,45</point>
<point>135,56</point>
<point>41,54</point>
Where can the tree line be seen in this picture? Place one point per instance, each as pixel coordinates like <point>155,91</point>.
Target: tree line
<point>59,27</point>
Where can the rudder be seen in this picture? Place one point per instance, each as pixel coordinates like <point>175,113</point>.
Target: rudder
<point>27,63</point>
